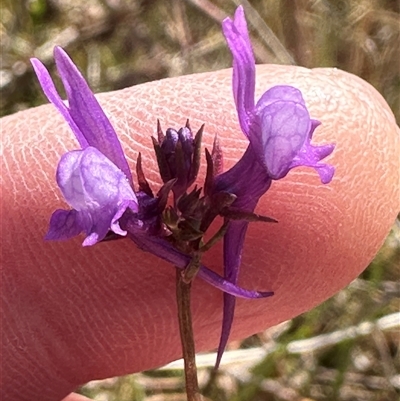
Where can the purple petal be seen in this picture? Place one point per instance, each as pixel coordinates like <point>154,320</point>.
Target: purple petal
<point>65,224</point>
<point>87,113</point>
<point>314,125</point>
<point>51,93</point>
<point>280,93</point>
<point>310,156</point>
<point>99,226</point>
<point>97,190</point>
<point>239,20</point>
<point>325,172</point>
<point>238,40</point>
<point>279,127</point>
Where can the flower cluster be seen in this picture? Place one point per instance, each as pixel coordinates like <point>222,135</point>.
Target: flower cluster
<point>97,183</point>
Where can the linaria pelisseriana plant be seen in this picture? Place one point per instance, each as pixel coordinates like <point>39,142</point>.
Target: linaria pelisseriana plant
<point>97,183</point>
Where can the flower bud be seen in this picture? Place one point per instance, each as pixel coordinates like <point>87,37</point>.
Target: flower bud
<point>178,156</point>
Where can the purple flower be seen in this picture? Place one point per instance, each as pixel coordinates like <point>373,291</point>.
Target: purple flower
<point>279,129</point>
<point>97,183</point>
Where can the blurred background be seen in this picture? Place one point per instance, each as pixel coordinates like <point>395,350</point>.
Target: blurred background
<point>346,349</point>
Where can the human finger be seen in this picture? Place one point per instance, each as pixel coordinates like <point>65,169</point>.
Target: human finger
<point>73,314</point>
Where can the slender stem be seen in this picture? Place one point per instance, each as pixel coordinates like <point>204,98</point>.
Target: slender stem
<point>216,237</point>
<point>189,273</point>
<point>187,340</point>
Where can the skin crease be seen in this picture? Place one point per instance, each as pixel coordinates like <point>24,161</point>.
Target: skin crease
<point>72,314</point>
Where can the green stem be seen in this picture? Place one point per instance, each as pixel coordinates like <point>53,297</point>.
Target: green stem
<point>189,273</point>
<point>215,238</point>
<point>187,339</point>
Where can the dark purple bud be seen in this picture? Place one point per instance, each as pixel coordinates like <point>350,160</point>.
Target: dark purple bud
<point>178,156</point>
<point>169,143</point>
<point>186,138</point>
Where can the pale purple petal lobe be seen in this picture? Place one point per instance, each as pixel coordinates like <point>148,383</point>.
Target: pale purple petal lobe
<point>97,190</point>
<point>311,156</point>
<point>65,224</point>
<point>51,93</point>
<point>280,93</point>
<point>277,133</point>
<point>237,37</point>
<point>87,113</point>
<point>240,23</point>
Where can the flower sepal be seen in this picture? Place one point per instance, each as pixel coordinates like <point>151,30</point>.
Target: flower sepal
<point>232,213</point>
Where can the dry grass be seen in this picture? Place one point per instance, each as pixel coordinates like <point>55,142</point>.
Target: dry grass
<point>120,43</point>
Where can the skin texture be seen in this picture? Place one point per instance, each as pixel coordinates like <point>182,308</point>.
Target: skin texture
<point>72,314</point>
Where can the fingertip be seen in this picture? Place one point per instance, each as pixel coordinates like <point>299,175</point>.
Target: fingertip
<point>325,237</point>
